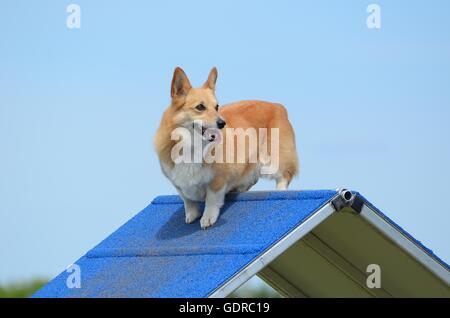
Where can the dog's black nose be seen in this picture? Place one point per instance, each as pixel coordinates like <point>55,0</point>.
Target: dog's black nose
<point>221,123</point>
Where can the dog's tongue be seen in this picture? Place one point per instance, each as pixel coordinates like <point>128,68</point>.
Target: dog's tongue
<point>212,135</point>
<point>208,134</point>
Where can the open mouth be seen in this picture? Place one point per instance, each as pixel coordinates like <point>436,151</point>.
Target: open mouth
<point>208,134</point>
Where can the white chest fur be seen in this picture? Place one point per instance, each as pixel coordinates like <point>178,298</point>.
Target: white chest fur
<point>190,178</point>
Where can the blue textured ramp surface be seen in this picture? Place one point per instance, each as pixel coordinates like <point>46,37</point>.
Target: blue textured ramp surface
<point>156,254</point>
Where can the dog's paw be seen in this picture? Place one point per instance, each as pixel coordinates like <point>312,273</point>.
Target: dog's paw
<point>208,220</point>
<point>192,216</point>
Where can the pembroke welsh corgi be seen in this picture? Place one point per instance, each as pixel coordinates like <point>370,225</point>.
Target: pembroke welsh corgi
<point>207,151</point>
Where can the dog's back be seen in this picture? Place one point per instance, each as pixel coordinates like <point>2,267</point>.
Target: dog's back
<point>260,114</point>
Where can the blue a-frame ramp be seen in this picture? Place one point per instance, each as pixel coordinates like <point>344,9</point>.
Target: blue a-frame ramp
<point>303,243</point>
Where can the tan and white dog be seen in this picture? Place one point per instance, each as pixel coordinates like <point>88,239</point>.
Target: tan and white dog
<point>197,111</point>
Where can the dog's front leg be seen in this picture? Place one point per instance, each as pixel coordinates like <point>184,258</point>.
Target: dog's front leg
<point>213,203</point>
<point>190,209</point>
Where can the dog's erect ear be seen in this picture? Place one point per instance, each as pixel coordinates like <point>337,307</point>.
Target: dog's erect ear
<point>180,83</point>
<point>212,78</point>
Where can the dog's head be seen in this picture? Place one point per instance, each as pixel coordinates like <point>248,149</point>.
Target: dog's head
<point>196,109</point>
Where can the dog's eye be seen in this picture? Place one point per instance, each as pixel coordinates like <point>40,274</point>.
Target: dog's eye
<point>200,107</point>
<point>217,107</point>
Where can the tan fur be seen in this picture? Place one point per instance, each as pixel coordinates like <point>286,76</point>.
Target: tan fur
<point>224,177</point>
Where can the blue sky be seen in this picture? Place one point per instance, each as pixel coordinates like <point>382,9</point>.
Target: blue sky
<point>79,108</point>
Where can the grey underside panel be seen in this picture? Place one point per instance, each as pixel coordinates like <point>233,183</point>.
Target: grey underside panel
<point>332,259</point>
